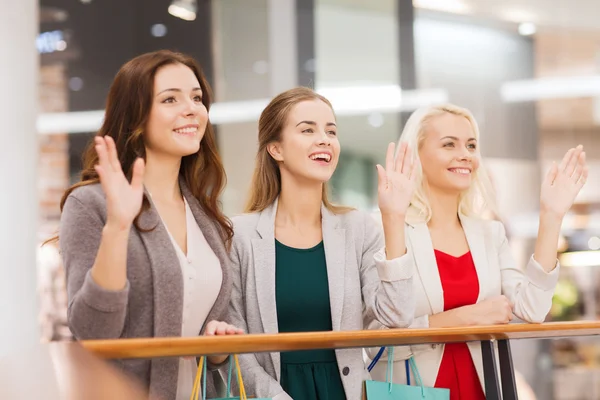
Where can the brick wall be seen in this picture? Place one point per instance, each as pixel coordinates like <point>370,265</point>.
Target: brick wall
<point>53,179</point>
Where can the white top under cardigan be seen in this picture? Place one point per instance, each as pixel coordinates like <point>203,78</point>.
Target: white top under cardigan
<point>202,276</point>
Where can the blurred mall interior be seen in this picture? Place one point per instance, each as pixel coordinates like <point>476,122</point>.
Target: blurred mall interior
<point>529,70</point>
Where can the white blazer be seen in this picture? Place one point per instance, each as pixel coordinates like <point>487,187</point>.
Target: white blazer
<point>530,290</point>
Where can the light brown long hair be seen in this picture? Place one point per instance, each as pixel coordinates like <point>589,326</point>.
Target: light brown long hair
<point>266,181</point>
<point>127,112</point>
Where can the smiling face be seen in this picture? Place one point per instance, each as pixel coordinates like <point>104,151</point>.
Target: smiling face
<point>309,148</point>
<point>178,118</point>
<point>449,153</point>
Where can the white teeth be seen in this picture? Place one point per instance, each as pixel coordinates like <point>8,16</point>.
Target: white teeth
<point>464,171</point>
<point>321,156</point>
<point>186,130</point>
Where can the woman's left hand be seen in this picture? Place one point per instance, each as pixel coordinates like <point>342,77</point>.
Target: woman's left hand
<point>221,328</point>
<point>563,183</point>
<point>218,328</point>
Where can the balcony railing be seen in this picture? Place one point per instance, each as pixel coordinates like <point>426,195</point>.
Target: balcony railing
<point>495,390</point>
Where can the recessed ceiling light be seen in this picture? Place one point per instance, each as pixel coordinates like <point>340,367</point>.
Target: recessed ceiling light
<point>376,119</point>
<point>594,243</point>
<point>158,30</point>
<point>527,28</point>
<point>76,84</point>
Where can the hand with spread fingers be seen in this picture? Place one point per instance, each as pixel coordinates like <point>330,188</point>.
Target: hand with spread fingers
<point>563,183</point>
<point>123,198</point>
<point>396,183</point>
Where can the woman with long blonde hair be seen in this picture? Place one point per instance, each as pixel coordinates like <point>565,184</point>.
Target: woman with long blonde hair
<point>466,273</point>
<point>304,264</point>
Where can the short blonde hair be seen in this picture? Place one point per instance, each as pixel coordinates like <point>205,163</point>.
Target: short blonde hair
<point>477,200</point>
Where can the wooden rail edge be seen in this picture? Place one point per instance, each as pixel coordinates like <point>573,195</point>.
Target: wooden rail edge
<point>258,343</point>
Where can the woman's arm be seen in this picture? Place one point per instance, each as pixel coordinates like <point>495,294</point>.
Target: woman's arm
<point>96,308</point>
<point>256,380</point>
<point>387,285</point>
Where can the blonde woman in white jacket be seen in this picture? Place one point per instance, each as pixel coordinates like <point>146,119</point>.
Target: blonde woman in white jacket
<point>466,274</point>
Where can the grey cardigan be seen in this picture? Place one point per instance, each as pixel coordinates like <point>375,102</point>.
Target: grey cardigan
<point>151,303</point>
<point>362,287</point>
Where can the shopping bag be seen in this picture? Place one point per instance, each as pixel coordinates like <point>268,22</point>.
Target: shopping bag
<point>201,374</point>
<point>392,391</point>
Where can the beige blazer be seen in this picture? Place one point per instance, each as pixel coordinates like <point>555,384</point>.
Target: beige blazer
<point>358,281</point>
<point>530,290</point>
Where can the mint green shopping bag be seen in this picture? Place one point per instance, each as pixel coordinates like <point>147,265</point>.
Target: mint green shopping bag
<point>202,373</point>
<point>392,391</point>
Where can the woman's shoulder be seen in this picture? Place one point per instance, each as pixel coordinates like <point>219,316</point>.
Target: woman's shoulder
<point>85,206</point>
<point>245,227</point>
<point>89,195</point>
<point>245,221</point>
<point>90,198</point>
<point>354,217</point>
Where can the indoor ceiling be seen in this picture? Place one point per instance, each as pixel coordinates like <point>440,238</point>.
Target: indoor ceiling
<point>580,14</point>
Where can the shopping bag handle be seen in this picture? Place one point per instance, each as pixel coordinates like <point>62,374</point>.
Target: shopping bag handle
<point>202,373</point>
<point>408,364</point>
<point>196,388</point>
<point>376,358</point>
<point>238,372</point>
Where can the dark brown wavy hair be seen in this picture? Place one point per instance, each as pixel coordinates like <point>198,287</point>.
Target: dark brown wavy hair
<point>127,111</point>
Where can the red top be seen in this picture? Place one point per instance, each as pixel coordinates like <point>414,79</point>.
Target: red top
<point>461,288</point>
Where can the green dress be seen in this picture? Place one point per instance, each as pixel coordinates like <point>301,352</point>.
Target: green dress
<point>302,298</point>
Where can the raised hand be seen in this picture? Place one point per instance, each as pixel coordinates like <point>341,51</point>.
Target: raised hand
<point>123,199</point>
<point>563,183</point>
<point>397,181</point>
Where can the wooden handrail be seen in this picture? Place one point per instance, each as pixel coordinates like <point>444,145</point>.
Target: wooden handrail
<point>238,344</point>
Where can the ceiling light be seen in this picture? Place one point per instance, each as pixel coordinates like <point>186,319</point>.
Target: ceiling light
<point>376,120</point>
<point>184,9</point>
<point>451,6</point>
<point>158,30</point>
<point>76,84</point>
<point>517,15</point>
<point>527,28</point>
<point>594,243</point>
<point>551,88</point>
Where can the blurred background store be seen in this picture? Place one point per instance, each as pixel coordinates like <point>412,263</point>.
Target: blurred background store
<point>529,70</point>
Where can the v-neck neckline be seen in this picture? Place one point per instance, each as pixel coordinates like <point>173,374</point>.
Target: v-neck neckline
<point>187,232</point>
